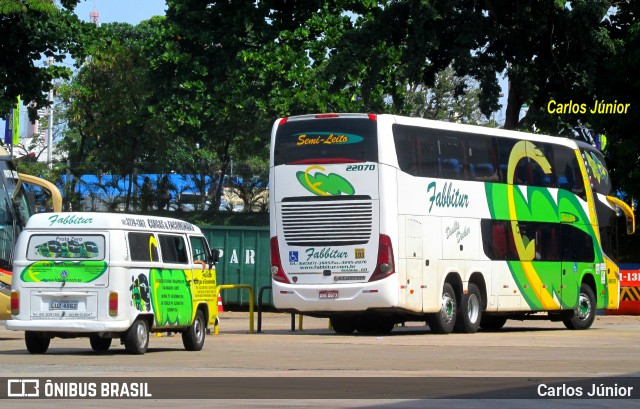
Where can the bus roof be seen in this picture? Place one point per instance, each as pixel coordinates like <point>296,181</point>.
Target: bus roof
<point>452,126</point>
<point>108,221</point>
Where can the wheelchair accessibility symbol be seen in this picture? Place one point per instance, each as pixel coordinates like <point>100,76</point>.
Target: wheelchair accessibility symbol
<point>293,257</point>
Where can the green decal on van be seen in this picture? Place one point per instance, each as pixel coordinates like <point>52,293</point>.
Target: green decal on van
<point>171,297</point>
<point>63,271</point>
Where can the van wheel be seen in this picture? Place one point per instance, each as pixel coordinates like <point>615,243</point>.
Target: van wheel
<point>343,326</point>
<point>444,320</point>
<point>193,337</point>
<point>36,343</point>
<point>585,312</point>
<point>99,344</point>
<point>470,311</point>
<point>136,339</point>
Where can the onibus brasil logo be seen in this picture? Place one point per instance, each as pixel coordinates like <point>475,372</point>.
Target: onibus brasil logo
<point>321,184</point>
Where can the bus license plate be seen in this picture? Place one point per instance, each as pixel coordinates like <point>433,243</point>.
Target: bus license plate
<point>63,305</point>
<point>328,294</point>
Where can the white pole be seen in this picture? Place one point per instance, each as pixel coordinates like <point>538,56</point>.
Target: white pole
<point>50,130</point>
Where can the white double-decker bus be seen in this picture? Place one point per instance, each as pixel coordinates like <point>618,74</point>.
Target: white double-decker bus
<point>381,219</point>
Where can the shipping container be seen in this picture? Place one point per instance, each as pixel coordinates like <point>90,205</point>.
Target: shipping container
<point>245,258</point>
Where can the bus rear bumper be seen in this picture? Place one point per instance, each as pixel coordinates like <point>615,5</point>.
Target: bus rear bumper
<point>348,297</point>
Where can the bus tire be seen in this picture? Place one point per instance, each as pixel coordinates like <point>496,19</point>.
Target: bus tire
<point>99,344</point>
<point>470,311</point>
<point>136,340</point>
<point>36,343</point>
<point>444,321</point>
<point>492,323</point>
<point>585,312</point>
<point>342,325</point>
<point>193,337</point>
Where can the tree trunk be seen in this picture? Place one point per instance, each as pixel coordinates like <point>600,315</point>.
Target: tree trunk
<point>514,104</point>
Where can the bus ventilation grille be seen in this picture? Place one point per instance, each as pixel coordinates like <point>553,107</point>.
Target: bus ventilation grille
<point>324,224</point>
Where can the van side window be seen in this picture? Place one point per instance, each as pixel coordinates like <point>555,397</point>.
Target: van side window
<point>199,249</point>
<point>143,247</point>
<point>174,249</point>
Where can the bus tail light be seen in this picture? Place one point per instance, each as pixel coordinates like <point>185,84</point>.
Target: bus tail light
<point>15,302</point>
<point>385,266</point>
<point>277,272</point>
<point>113,304</point>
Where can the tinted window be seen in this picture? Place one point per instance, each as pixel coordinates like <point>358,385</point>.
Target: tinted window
<point>431,152</point>
<point>142,247</point>
<point>66,246</point>
<point>553,241</point>
<point>326,139</point>
<point>417,150</point>
<point>483,158</point>
<point>173,249</point>
<point>597,171</point>
<point>199,249</point>
<point>567,171</point>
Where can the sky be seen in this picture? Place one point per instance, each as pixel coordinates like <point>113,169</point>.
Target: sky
<point>122,11</point>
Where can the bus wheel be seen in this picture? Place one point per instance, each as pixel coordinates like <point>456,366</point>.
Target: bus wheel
<point>136,339</point>
<point>444,321</point>
<point>585,312</point>
<point>492,323</point>
<point>343,326</point>
<point>470,311</point>
<point>193,337</point>
<point>99,344</point>
<point>36,343</point>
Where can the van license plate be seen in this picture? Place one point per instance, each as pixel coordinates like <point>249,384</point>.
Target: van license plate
<point>328,294</point>
<point>63,305</point>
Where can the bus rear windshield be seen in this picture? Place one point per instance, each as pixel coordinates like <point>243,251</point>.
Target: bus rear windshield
<point>326,140</point>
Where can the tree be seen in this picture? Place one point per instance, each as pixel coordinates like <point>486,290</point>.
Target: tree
<point>452,99</point>
<point>618,80</point>
<point>29,31</point>
<point>112,127</point>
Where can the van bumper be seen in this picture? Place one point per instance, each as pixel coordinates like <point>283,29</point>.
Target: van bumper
<point>74,326</point>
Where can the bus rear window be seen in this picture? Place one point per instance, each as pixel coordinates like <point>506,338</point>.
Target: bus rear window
<point>66,246</point>
<point>326,140</point>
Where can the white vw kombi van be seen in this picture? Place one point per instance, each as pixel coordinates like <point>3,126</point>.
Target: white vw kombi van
<point>105,276</point>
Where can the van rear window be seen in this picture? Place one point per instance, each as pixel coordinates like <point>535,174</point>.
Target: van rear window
<point>65,247</point>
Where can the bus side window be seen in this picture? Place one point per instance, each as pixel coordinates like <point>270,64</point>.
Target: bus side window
<point>453,163</point>
<point>505,145</point>
<point>568,171</point>
<point>576,245</point>
<point>483,158</point>
<point>544,152</point>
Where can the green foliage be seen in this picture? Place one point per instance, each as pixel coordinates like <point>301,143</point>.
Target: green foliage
<point>29,30</point>
<point>111,126</point>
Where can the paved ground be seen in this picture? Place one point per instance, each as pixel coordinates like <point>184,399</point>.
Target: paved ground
<point>527,351</point>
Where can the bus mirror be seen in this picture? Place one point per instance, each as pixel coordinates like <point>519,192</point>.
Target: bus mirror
<point>626,210</point>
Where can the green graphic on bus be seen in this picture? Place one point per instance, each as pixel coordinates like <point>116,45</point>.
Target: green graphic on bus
<point>324,185</point>
<point>540,282</point>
